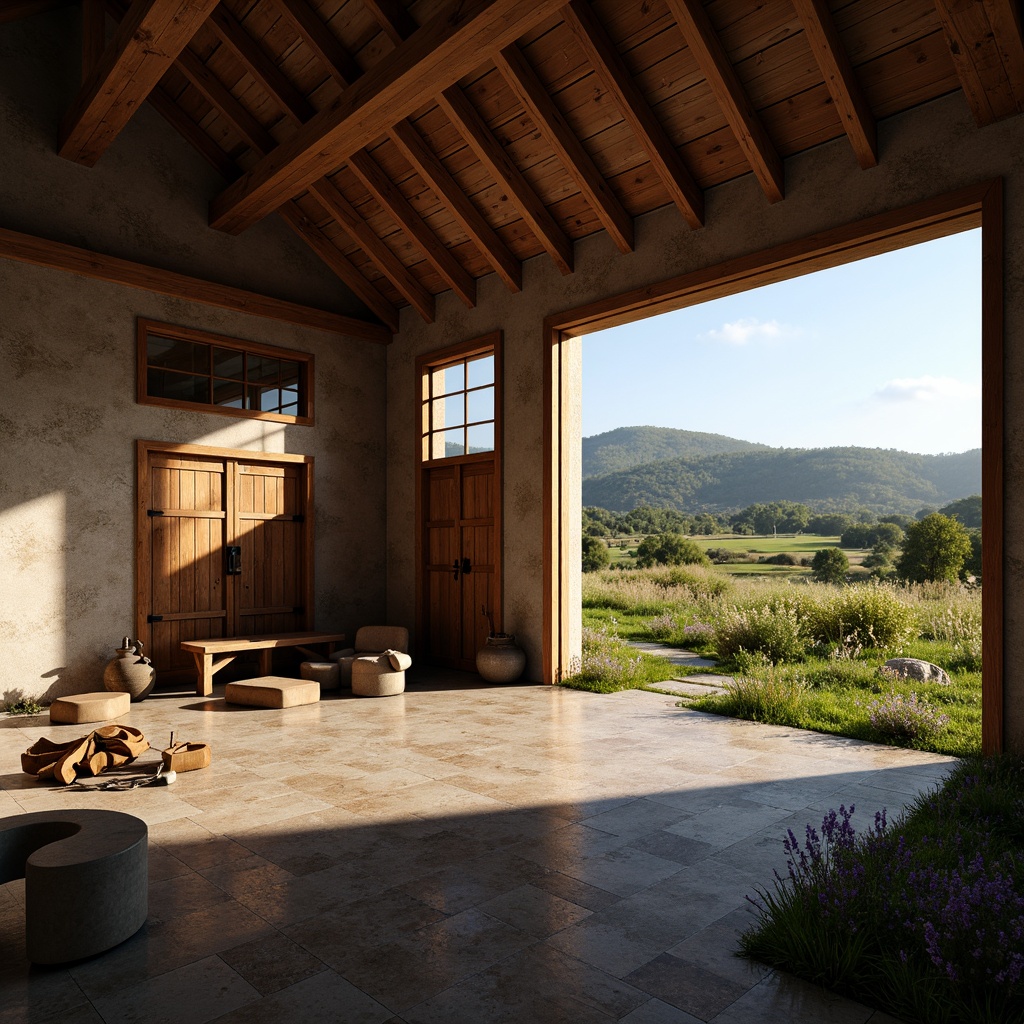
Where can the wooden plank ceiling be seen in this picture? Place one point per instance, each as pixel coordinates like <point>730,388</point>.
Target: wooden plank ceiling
<point>416,147</point>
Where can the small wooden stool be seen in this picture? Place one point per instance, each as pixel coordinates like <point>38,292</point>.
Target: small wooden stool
<point>89,707</point>
<point>272,692</point>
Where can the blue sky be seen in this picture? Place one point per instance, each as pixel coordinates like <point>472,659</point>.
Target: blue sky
<point>882,353</point>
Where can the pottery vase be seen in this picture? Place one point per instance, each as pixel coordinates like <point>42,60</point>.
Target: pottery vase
<point>129,672</point>
<point>500,660</point>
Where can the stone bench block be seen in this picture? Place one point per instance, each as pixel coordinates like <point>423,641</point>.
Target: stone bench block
<point>86,882</point>
<point>89,707</point>
<point>272,692</point>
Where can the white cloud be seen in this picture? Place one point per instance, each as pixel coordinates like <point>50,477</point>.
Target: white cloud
<point>927,389</point>
<point>748,329</point>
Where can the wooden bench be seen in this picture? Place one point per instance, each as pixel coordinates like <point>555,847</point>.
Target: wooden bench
<point>212,655</point>
<point>86,883</point>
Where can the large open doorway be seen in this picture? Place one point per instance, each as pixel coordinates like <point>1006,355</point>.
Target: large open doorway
<point>977,207</point>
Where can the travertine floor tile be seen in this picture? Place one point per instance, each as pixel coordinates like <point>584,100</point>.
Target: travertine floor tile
<point>480,854</point>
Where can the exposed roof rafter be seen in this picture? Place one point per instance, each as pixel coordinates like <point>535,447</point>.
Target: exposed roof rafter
<point>432,58</point>
<point>840,79</point>
<point>473,128</point>
<point>988,53</point>
<point>721,76</point>
<point>145,45</point>
<point>660,150</point>
<point>519,73</point>
<point>321,40</point>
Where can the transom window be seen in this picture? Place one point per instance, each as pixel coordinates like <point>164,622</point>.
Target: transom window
<point>181,367</point>
<point>458,407</point>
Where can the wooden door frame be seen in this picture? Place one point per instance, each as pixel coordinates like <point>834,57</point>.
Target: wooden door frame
<point>977,206</point>
<point>487,343</point>
<point>143,553</point>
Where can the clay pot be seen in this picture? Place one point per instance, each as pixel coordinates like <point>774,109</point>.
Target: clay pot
<point>129,672</point>
<point>500,660</point>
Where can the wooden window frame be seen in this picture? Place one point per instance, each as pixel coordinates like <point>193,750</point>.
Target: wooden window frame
<point>145,329</point>
<point>977,206</point>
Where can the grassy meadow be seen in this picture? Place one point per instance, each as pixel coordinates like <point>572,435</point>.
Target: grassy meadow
<point>802,653</point>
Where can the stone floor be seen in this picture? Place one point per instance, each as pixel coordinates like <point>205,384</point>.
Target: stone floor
<point>459,853</point>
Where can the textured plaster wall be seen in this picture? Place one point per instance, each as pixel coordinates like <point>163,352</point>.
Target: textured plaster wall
<point>929,151</point>
<point>68,418</point>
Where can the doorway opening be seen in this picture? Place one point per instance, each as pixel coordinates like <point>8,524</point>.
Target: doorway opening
<point>977,207</point>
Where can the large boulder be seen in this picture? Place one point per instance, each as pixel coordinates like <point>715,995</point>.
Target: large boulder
<point>915,668</point>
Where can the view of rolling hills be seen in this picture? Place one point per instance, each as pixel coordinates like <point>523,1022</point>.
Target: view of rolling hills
<point>696,472</point>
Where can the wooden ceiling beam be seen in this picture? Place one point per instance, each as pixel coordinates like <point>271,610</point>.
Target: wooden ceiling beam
<point>985,43</point>
<point>398,24</point>
<point>145,45</point>
<point>331,199</point>
<point>393,18</point>
<point>258,63</point>
<point>714,63</point>
<point>318,36</point>
<point>536,100</point>
<point>474,129</point>
<point>42,252</point>
<point>387,193</point>
<point>840,79</point>
<point>339,263</point>
<point>612,71</point>
<point>433,57</point>
<point>430,168</point>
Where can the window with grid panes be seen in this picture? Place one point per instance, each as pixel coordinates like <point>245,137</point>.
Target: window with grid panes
<point>458,408</point>
<point>180,366</point>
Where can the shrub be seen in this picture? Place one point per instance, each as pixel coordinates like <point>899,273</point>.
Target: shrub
<point>782,558</point>
<point>830,565</point>
<point>662,627</point>
<point>897,716</point>
<point>774,630</point>
<point>870,616</point>
<point>595,554</point>
<point>669,549</point>
<point>771,697</point>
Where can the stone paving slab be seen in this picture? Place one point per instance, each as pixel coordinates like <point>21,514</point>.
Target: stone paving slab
<point>676,655</point>
<point>692,686</point>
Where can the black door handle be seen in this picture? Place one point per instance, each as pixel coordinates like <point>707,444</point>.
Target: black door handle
<point>234,560</point>
<point>464,567</point>
<point>455,569</point>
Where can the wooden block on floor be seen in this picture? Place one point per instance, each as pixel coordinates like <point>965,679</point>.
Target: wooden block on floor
<point>89,707</point>
<point>272,692</point>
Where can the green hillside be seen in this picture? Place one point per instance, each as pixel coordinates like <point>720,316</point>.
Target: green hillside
<point>627,447</point>
<point>825,479</point>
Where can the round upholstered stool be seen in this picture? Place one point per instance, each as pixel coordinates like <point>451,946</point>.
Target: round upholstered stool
<point>89,707</point>
<point>326,673</point>
<point>379,675</point>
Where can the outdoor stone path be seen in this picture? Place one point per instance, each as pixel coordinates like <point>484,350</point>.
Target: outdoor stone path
<point>683,684</point>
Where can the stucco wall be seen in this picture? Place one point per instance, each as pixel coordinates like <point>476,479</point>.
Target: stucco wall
<point>68,417</point>
<point>68,420</point>
<point>924,153</point>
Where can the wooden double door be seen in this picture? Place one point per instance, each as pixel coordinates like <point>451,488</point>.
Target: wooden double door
<point>224,549</point>
<point>460,563</point>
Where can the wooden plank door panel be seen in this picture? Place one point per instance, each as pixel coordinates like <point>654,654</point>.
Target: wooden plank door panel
<point>188,528</point>
<point>270,531</point>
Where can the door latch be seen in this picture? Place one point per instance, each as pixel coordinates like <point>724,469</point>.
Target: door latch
<point>462,566</point>
<point>234,560</point>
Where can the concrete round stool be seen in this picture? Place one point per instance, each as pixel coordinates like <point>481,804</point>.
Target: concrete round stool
<point>90,707</point>
<point>86,883</point>
<point>326,673</point>
<point>378,675</point>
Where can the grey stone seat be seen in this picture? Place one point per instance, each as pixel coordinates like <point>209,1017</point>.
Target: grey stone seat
<point>86,881</point>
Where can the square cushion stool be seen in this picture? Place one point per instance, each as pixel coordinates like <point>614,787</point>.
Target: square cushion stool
<point>272,692</point>
<point>90,707</point>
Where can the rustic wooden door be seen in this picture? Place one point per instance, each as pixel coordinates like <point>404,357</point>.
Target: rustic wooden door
<point>460,563</point>
<point>223,550</point>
